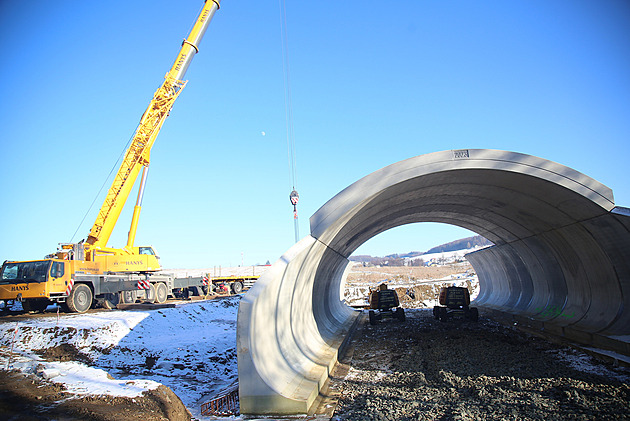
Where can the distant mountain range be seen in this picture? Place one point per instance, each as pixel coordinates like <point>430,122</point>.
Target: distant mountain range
<point>462,244</point>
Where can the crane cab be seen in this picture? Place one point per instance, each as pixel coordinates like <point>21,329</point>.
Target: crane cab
<point>107,260</point>
<point>133,259</point>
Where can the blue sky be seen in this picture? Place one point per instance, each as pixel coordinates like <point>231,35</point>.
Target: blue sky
<point>372,83</point>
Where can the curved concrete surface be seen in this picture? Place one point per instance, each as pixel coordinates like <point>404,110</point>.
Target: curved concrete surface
<point>561,259</point>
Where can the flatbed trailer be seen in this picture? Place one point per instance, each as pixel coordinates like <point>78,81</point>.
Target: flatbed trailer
<point>157,288</point>
<point>202,285</point>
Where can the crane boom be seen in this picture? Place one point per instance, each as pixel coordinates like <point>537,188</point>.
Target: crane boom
<point>80,275</point>
<point>137,155</point>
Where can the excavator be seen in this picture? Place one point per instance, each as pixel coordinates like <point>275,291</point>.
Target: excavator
<point>80,274</point>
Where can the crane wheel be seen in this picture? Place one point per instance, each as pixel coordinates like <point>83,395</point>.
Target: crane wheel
<point>150,295</point>
<point>161,293</point>
<point>80,299</point>
<point>35,305</point>
<point>111,300</point>
<point>127,297</point>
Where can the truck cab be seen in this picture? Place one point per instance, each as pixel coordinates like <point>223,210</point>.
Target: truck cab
<point>33,282</point>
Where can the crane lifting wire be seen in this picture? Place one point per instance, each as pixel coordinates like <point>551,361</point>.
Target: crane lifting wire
<point>288,108</point>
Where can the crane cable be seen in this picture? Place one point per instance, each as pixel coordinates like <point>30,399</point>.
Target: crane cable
<point>288,108</point>
<point>103,186</point>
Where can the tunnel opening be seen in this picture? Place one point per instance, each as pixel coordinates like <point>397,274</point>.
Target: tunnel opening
<point>559,243</point>
<point>416,260</point>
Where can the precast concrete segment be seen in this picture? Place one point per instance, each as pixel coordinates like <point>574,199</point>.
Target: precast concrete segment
<point>611,232</point>
<point>493,175</point>
<point>560,260</point>
<point>287,338</point>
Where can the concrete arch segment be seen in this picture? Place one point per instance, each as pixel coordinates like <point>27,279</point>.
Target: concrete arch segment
<point>290,327</point>
<point>560,259</point>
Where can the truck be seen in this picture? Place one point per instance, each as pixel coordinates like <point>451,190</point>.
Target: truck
<point>80,275</point>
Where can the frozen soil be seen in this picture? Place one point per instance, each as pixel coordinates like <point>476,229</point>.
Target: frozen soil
<point>29,398</point>
<point>424,369</point>
<point>117,365</point>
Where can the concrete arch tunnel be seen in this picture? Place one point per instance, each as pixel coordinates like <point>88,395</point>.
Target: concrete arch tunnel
<point>560,244</point>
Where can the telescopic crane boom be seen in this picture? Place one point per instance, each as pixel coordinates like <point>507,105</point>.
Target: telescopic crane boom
<point>83,274</point>
<point>137,156</point>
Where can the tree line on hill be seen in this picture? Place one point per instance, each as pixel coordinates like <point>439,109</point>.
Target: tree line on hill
<point>398,259</point>
<point>464,243</point>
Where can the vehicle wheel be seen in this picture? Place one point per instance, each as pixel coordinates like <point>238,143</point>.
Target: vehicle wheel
<point>27,306</point>
<point>161,292</point>
<point>474,314</point>
<point>111,300</point>
<point>150,294</point>
<point>442,314</point>
<point>236,287</point>
<point>400,314</point>
<point>372,315</point>
<point>36,305</point>
<point>128,297</point>
<point>80,299</point>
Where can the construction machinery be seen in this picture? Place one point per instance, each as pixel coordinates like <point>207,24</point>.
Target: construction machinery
<point>455,302</point>
<point>384,302</point>
<point>79,274</point>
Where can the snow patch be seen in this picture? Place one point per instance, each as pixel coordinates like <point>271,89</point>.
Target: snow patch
<point>190,348</point>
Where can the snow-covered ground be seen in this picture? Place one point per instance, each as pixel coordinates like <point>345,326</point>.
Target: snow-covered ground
<point>446,257</point>
<point>190,348</point>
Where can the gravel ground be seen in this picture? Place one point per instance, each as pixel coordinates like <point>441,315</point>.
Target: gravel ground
<point>424,369</point>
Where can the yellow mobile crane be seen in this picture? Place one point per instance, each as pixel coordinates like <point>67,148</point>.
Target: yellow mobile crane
<point>79,273</point>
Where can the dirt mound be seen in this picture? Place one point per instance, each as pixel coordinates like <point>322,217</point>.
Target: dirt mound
<point>29,398</point>
<point>63,352</point>
<point>157,404</point>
